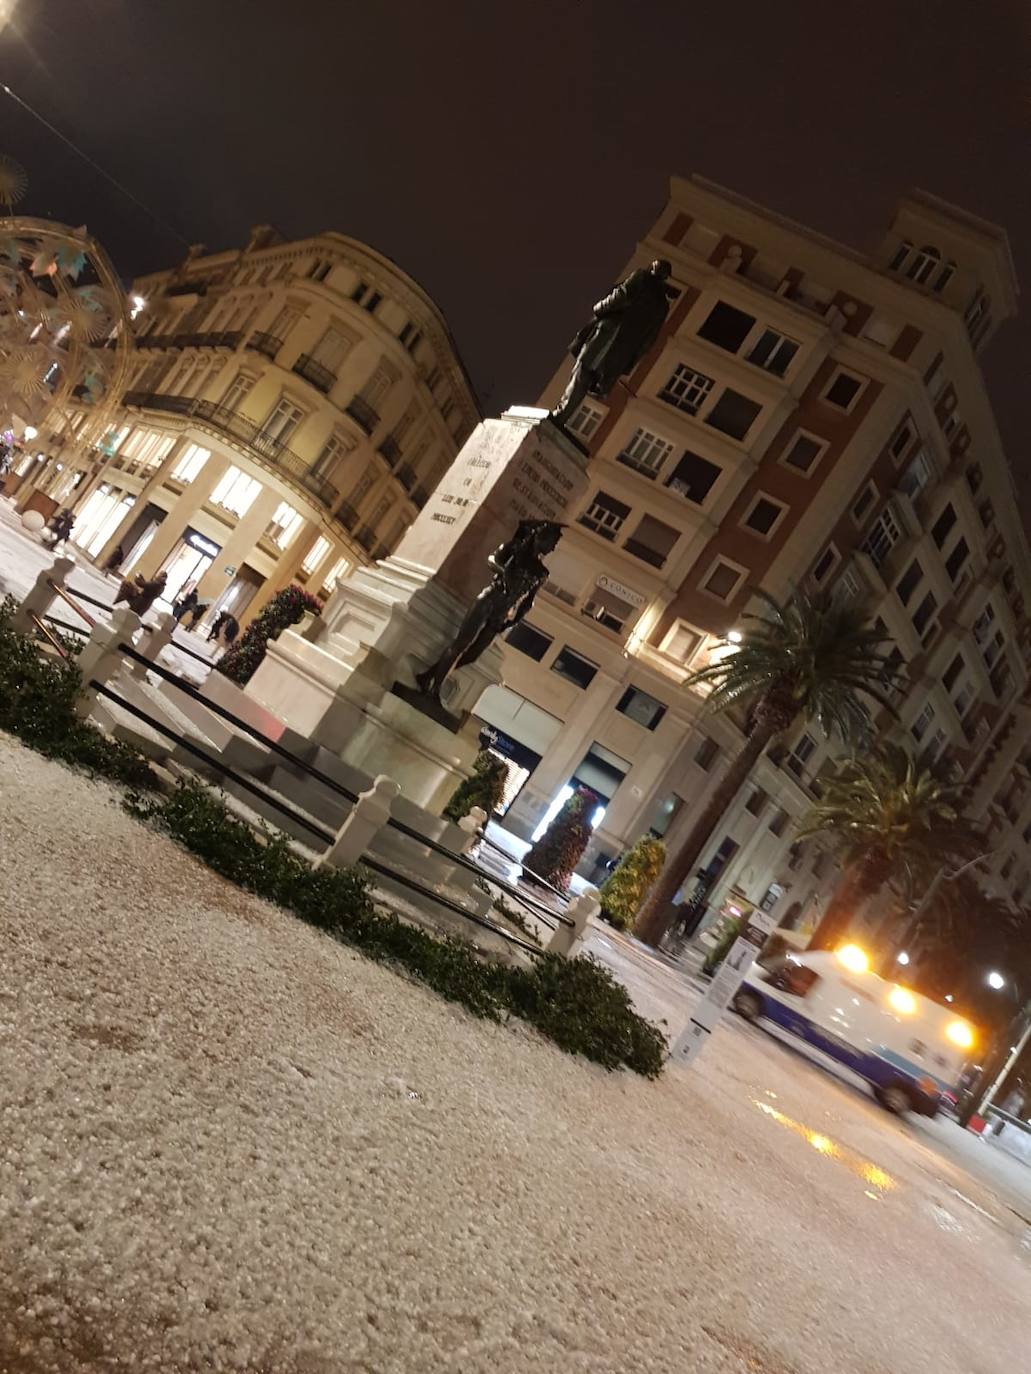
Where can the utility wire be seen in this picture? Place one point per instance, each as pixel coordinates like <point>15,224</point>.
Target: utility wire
<point>92,163</point>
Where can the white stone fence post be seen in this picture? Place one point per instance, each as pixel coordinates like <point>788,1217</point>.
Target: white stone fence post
<point>580,910</point>
<point>153,640</point>
<point>369,815</point>
<point>41,594</point>
<point>101,658</point>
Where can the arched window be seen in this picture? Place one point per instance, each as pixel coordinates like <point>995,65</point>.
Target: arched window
<point>923,263</point>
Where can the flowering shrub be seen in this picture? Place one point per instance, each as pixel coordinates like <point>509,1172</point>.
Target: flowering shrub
<point>286,608</point>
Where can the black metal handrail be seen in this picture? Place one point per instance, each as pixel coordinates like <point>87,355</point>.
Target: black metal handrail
<point>362,412</point>
<point>314,372</point>
<point>258,791</point>
<point>334,786</point>
<point>265,343</point>
<point>390,449</point>
<point>298,818</point>
<point>225,421</point>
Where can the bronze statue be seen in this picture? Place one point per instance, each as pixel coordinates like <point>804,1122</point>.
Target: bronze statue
<point>624,326</point>
<point>519,574</point>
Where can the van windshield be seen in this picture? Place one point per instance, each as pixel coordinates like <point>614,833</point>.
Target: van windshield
<point>788,975</point>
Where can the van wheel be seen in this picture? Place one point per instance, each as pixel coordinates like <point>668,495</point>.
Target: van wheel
<point>894,1099</point>
<point>746,1004</point>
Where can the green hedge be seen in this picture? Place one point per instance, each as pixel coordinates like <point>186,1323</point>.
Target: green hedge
<point>37,704</point>
<point>574,1002</point>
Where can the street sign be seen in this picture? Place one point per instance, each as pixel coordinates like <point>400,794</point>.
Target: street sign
<point>230,570</point>
<point>720,992</point>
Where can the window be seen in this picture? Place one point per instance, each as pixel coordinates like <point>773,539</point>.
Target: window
<point>861,505</point>
<point>982,625</point>
<point>723,580</point>
<point>652,541</point>
<point>280,425</point>
<point>645,452</point>
<point>693,477</point>
<point>605,515</point>
<point>804,453</point>
<point>902,439</point>
<point>944,523</point>
<point>681,642</point>
<point>641,707</point>
<point>319,269</point>
<point>826,563</point>
<point>733,414</point>
<point>974,476</point>
<point>917,475</point>
<point>315,554</point>
<point>574,667</point>
<point>902,252</point>
<point>923,613</point>
<point>332,349</point>
<point>335,447</point>
<point>586,420</point>
<point>528,640</point>
<point>686,389</point>
<point>922,264</point>
<point>956,559</point>
<point>798,758</point>
<point>284,525</point>
<point>375,390</point>
<point>372,301</point>
<point>610,607</point>
<point>757,800</point>
<point>236,391</point>
<point>883,536</point>
<point>778,822</point>
<point>843,391</point>
<point>952,672</point>
<point>190,462</point>
<point>773,352</point>
<point>920,726</point>
<point>943,278</point>
<point>706,753</point>
<point>763,516</point>
<point>726,327</point>
<point>336,574</point>
<point>908,582</point>
<point>236,492</point>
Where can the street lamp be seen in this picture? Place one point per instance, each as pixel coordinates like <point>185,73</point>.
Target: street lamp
<point>734,636</point>
<point>30,432</point>
<point>996,980</point>
<point>902,958</point>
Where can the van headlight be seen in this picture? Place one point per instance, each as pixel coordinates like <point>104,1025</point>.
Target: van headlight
<point>960,1033</point>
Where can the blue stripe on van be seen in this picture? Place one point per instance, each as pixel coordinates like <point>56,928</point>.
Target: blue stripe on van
<point>880,1070</point>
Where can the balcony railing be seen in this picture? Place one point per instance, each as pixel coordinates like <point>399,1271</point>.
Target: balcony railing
<point>265,447</point>
<point>390,449</point>
<point>313,371</point>
<point>361,412</point>
<point>265,343</point>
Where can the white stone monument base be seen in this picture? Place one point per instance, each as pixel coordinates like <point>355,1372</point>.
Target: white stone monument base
<point>333,684</point>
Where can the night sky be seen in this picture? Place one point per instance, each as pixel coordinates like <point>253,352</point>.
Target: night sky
<point>509,156</point>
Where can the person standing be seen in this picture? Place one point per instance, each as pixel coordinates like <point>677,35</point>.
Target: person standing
<point>184,606</point>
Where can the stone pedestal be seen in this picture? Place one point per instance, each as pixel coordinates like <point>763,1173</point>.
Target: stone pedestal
<point>387,622</point>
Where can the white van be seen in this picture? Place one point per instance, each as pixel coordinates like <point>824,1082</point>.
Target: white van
<point>909,1049</point>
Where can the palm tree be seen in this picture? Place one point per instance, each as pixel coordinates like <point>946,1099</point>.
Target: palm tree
<point>806,659</point>
<point>890,820</point>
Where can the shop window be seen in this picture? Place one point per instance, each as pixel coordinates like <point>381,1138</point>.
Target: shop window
<point>236,492</point>
<point>315,554</point>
